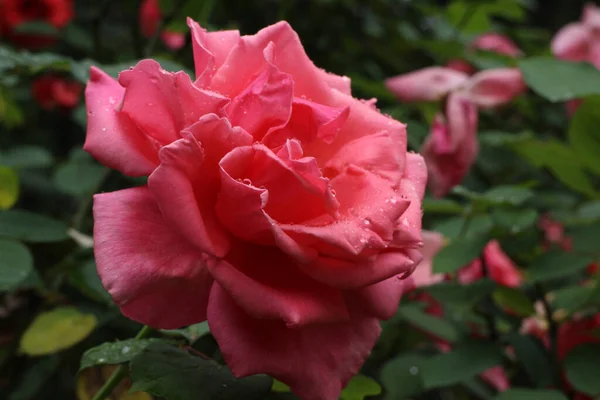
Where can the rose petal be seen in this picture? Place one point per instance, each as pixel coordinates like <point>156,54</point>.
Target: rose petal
<point>265,104</point>
<point>309,121</point>
<point>287,197</point>
<point>162,103</point>
<point>501,268</point>
<point>319,359</point>
<point>286,294</point>
<point>423,274</point>
<point>187,181</point>
<point>112,138</point>
<point>427,84</point>
<point>340,83</point>
<point>210,50</point>
<point>495,87</point>
<point>496,377</point>
<point>246,60</point>
<point>572,42</point>
<point>147,267</point>
<point>497,43</point>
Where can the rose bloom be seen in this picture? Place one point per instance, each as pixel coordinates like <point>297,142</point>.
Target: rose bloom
<point>150,16</point>
<point>52,91</point>
<point>492,42</point>
<point>451,148</point>
<point>13,13</point>
<point>278,207</point>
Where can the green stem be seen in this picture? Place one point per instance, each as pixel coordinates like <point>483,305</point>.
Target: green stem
<point>120,373</point>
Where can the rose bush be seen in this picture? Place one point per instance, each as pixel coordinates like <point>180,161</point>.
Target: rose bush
<point>278,207</point>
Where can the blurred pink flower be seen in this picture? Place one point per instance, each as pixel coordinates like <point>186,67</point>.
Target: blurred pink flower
<point>150,16</point>
<point>423,274</point>
<point>496,43</point>
<point>427,84</point>
<point>500,267</point>
<point>580,41</point>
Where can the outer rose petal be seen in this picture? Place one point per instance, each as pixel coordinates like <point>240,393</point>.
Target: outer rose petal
<point>591,15</point>
<point>423,274</point>
<point>572,42</point>
<point>246,59</point>
<point>147,267</point>
<point>495,87</point>
<point>497,43</point>
<point>428,84</point>
<point>265,283</point>
<point>319,359</point>
<point>162,104</point>
<point>340,83</point>
<point>112,138</point>
<point>461,66</point>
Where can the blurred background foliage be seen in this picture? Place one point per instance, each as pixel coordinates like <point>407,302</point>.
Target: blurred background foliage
<point>53,307</point>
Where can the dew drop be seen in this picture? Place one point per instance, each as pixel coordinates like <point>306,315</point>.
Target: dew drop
<point>333,193</point>
<point>103,129</point>
<point>101,360</point>
<point>413,370</point>
<point>126,350</point>
<point>246,181</point>
<point>366,222</point>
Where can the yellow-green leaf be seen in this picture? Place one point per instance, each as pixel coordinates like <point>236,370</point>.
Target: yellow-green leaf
<point>56,330</point>
<point>360,387</point>
<point>9,188</point>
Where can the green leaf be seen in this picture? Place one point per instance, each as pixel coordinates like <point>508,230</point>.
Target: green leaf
<point>452,227</point>
<point>583,369</point>
<point>441,206</point>
<point>459,253</point>
<point>515,221</point>
<point>30,227</point>
<point>557,264</point>
<point>561,160</point>
<point>559,80</point>
<point>585,238</point>
<point>77,178</point>
<point>505,194</point>
<point>114,353</point>
<point>534,358</point>
<point>16,263</point>
<point>279,387</point>
<point>26,157</point>
<point>9,188</point>
<point>56,330</point>
<point>572,298</point>
<point>359,387</point>
<point>465,361</point>
<point>402,377</point>
<point>513,300</point>
<point>434,325</point>
<point>584,135</point>
<point>173,373</point>
<point>531,394</point>
<point>460,295</point>
<point>86,280</point>
<point>191,333</point>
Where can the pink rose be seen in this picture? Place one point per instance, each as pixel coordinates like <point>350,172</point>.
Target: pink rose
<point>432,244</point>
<point>496,43</point>
<point>579,41</point>
<point>500,267</point>
<point>278,207</point>
<point>451,148</point>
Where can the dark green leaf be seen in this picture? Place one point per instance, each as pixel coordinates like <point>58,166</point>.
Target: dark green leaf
<point>114,353</point>
<point>572,298</point>
<point>192,332</point>
<point>585,238</point>
<point>85,278</point>
<point>452,227</point>
<point>584,135</point>
<point>531,394</point>
<point>504,194</point>
<point>465,361</point>
<point>26,157</point>
<point>461,295</point>
<point>515,221</point>
<point>441,206</point>
<point>434,325</point>
<point>513,300</point>
<point>559,80</point>
<point>77,178</point>
<point>459,253</point>
<point>173,373</point>
<point>557,264</point>
<point>534,358</point>
<point>34,378</point>
<point>36,28</point>
<point>16,263</point>
<point>583,369</point>
<point>30,227</point>
<point>401,377</point>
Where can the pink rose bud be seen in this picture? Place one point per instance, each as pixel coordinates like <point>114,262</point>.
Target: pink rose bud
<point>495,87</point>
<point>278,207</point>
<point>451,148</point>
<point>428,84</point>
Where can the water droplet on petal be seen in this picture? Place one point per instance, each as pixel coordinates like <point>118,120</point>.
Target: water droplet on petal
<point>367,222</point>
<point>246,181</point>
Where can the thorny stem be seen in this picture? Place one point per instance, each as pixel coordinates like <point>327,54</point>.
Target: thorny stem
<point>121,372</point>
